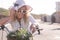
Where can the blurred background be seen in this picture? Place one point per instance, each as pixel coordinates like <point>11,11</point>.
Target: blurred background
<point>46,12</point>
<point>43,10</point>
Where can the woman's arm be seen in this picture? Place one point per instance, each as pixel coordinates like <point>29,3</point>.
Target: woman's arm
<point>34,24</point>
<point>32,20</point>
<point>3,20</point>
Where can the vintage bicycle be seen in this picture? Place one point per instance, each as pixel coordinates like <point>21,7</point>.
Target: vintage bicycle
<point>20,34</point>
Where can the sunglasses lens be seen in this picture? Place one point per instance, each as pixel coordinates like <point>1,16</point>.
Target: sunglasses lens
<point>24,11</point>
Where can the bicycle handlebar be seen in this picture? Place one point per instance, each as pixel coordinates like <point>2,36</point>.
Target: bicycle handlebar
<point>3,27</point>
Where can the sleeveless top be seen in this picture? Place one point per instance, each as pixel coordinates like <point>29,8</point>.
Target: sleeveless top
<point>15,24</point>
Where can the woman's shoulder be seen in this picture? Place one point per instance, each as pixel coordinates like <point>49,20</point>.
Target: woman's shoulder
<point>32,19</point>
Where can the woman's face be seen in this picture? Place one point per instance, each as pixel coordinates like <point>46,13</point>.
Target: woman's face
<point>19,15</point>
<point>23,10</point>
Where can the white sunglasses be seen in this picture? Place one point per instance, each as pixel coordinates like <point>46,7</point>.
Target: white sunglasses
<point>24,11</point>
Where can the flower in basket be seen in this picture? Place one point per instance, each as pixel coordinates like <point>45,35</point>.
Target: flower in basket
<point>20,34</point>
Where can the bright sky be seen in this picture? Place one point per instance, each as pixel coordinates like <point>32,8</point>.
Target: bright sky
<point>39,6</point>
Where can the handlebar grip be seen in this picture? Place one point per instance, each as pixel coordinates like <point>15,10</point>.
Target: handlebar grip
<point>2,27</point>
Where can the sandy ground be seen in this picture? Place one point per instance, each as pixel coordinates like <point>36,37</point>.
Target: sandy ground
<point>49,32</point>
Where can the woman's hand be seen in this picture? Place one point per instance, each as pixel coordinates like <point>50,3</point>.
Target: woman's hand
<point>32,28</point>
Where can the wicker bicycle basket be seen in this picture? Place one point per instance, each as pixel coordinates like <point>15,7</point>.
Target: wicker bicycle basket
<point>21,34</point>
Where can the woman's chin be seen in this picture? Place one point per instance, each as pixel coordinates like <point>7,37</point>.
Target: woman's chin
<point>20,18</point>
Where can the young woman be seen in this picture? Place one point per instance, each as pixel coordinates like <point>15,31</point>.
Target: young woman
<point>23,19</point>
<point>20,17</point>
